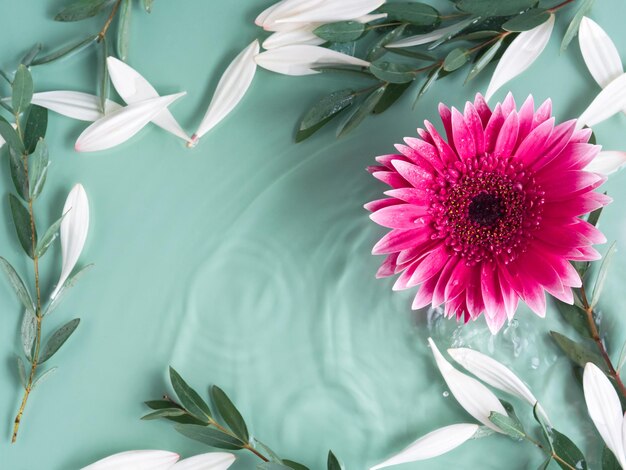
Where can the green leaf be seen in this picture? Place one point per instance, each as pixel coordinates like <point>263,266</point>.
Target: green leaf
<point>18,173</point>
<point>568,452</point>
<point>575,316</point>
<point>333,462</point>
<point>432,77</point>
<point>209,436</point>
<point>28,333</point>
<point>511,427</point>
<point>295,465</point>
<point>21,220</point>
<point>82,9</point>
<point>456,59</point>
<point>18,285</point>
<point>189,398</point>
<point>44,376</point>
<point>342,31</point>
<point>328,107</point>
<point>123,29</point>
<point>545,429</point>
<point>393,92</point>
<point>494,7</point>
<point>594,217</point>
<point>22,90</point>
<point>377,50</point>
<point>67,285</point>
<point>35,129</point>
<point>415,13</point>
<point>164,413</point>
<point>458,28</point>
<point>484,60</point>
<point>272,466</point>
<point>67,51</point>
<point>28,58</point>
<point>38,169</point>
<point>393,72</point>
<point>476,35</point>
<point>21,372</point>
<point>167,404</point>
<point>104,81</point>
<point>602,274</point>
<point>361,112</point>
<point>58,338</point>
<point>147,5</point>
<point>583,8</point>
<point>11,136</point>
<point>578,353</point>
<point>526,21</point>
<point>419,55</point>
<point>49,237</point>
<point>609,462</point>
<point>229,413</point>
<point>273,456</point>
<point>161,404</point>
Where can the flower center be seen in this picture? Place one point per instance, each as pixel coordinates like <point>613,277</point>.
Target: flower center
<point>486,209</point>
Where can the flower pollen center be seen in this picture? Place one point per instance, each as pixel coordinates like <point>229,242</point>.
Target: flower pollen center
<point>486,209</point>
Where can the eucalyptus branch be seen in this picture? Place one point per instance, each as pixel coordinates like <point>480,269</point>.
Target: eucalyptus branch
<point>107,24</point>
<point>549,452</point>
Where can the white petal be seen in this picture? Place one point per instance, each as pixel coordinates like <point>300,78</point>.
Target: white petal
<point>285,9</point>
<point>136,460</point>
<point>520,55</point>
<point>604,409</point>
<point>121,125</point>
<point>433,444</point>
<point>420,39</point>
<point>611,100</point>
<point>599,52</point>
<point>133,87</point>
<point>369,18</point>
<point>286,38</point>
<point>607,162</point>
<point>300,59</point>
<point>472,395</point>
<point>231,89</point>
<point>73,233</point>
<point>73,104</point>
<point>331,11</point>
<point>210,461</point>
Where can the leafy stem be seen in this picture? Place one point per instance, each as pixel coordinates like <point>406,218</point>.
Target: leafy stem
<point>549,451</point>
<point>560,5</point>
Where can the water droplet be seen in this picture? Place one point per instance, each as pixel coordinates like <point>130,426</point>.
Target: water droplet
<point>446,394</point>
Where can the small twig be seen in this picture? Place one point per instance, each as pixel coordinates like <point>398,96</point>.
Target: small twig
<point>560,5</point>
<point>107,24</point>
<point>549,452</point>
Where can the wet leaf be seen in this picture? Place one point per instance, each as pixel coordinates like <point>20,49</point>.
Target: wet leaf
<point>545,429</point>
<point>123,29</point>
<point>509,426</point>
<point>67,285</point>
<point>609,462</point>
<point>454,31</point>
<point>209,436</point>
<point>333,462</point>
<point>38,169</point>
<point>361,112</point>
<point>273,456</point>
<point>415,13</point>
<point>229,413</point>
<point>575,316</point>
<point>342,31</point>
<point>568,452</point>
<point>393,92</point>
<point>22,222</point>
<point>484,60</point>
<point>164,413</point>
<point>189,398</point>
<point>82,9</point>
<point>10,135</point>
<point>48,238</point>
<point>44,376</point>
<point>18,173</point>
<point>28,333</point>
<point>602,274</point>
<point>36,126</point>
<point>578,353</point>
<point>22,90</point>
<point>58,338</point>
<point>327,107</point>
<point>18,285</point>
<point>167,404</point>
<point>527,20</point>
<point>294,465</point>
<point>28,58</point>
<point>494,7</point>
<point>456,58</point>
<point>67,51</point>
<point>393,72</point>
<point>377,50</point>
<point>147,5</point>
<point>432,77</point>
<point>583,8</point>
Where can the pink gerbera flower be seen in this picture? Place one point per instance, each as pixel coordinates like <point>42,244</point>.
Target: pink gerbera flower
<point>489,215</point>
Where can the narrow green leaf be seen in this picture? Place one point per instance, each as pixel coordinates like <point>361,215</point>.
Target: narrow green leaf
<point>161,404</point>
<point>602,274</point>
<point>104,81</point>
<point>82,9</point>
<point>49,237</point>
<point>342,31</point>
<point>21,220</point>
<point>22,90</point>
<point>44,376</point>
<point>377,50</point>
<point>393,72</point>
<point>189,398</point>
<point>209,436</point>
<point>393,93</point>
<point>594,217</point>
<point>273,456</point>
<point>67,51</point>
<point>568,452</point>
<point>28,58</point>
<point>36,126</point>
<point>58,338</point>
<point>167,404</point>
<point>11,136</point>
<point>18,173</point>
<point>21,372</point>
<point>583,8</point>
<point>327,107</point>
<point>526,21</point>
<point>18,285</point>
<point>508,425</point>
<point>578,353</point>
<point>452,33</point>
<point>545,430</point>
<point>609,462</point>
<point>432,77</point>
<point>456,59</point>
<point>28,333</point>
<point>333,462</point>
<point>419,55</point>
<point>38,169</point>
<point>484,60</point>
<point>361,112</point>
<point>164,413</point>
<point>147,5</point>
<point>229,413</point>
<point>123,29</point>
<point>622,358</point>
<point>295,465</point>
<point>494,7</point>
<point>67,285</point>
<point>575,316</point>
<point>416,13</point>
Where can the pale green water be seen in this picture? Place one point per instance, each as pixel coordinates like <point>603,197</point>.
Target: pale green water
<point>245,263</point>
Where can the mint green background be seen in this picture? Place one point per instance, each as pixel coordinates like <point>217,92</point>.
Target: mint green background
<point>246,263</point>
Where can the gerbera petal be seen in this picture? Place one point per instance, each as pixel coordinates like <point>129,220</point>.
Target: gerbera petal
<point>427,151</point>
<point>414,174</point>
<point>398,240</point>
<point>534,144</point>
<point>483,109</point>
<point>403,216</point>
<point>462,137</point>
<point>388,267</point>
<point>424,295</point>
<point>446,153</point>
<point>381,203</point>
<point>492,129</point>
<point>430,265</point>
<point>475,126</point>
<point>507,137</point>
<point>543,113</point>
<point>526,116</point>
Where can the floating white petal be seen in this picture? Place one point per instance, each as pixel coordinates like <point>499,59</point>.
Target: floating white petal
<point>330,11</point>
<point>133,87</point>
<point>604,409</point>
<point>372,17</point>
<point>607,162</point>
<point>136,460</point>
<point>301,59</point>
<point>297,36</point>
<point>599,52</point>
<point>611,100</point>
<point>433,444</point>
<point>284,9</point>
<point>472,395</point>
<point>426,38</point>
<point>520,55</point>
<point>121,125</point>
<point>73,233</point>
<point>210,461</point>
<point>74,104</point>
<point>230,90</point>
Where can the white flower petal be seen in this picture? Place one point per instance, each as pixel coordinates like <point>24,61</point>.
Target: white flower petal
<point>472,395</point>
<point>369,18</point>
<point>73,233</point>
<point>210,461</point>
<point>331,11</point>
<point>298,36</point>
<point>420,39</point>
<point>300,59</point>
<point>230,90</point>
<point>133,87</point>
<point>285,9</point>
<point>520,55</point>
<point>73,104</point>
<point>599,52</point>
<point>121,125</point>
<point>136,460</point>
<point>604,409</point>
<point>611,100</point>
<point>607,162</point>
<point>433,444</point>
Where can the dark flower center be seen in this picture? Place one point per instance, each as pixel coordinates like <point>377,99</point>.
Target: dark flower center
<point>486,209</point>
